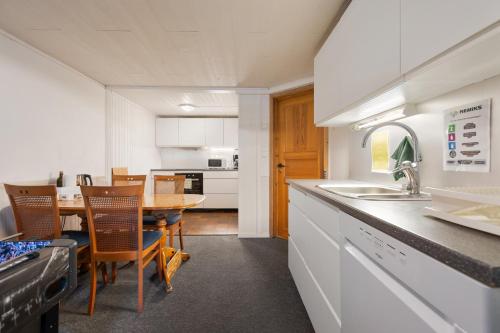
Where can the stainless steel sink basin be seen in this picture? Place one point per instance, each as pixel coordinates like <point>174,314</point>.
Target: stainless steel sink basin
<point>373,192</point>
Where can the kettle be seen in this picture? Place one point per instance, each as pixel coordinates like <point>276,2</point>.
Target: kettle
<point>84,179</point>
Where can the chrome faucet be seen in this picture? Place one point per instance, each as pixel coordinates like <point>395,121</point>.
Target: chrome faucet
<point>410,169</point>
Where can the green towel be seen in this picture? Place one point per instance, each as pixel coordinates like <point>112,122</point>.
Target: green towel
<point>404,152</point>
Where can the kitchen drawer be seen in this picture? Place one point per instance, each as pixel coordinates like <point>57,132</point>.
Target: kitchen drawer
<point>322,317</point>
<point>220,186</point>
<point>220,174</point>
<point>320,252</point>
<point>221,201</point>
<point>326,217</point>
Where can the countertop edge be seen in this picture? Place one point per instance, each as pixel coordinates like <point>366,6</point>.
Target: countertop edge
<point>471,267</point>
<point>227,170</point>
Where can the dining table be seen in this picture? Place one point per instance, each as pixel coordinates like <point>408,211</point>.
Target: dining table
<point>155,204</point>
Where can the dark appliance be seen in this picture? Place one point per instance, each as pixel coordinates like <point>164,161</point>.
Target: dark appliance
<point>194,182</point>
<point>235,161</point>
<point>34,277</point>
<point>84,179</point>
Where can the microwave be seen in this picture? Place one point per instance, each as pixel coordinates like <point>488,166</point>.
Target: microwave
<point>216,163</point>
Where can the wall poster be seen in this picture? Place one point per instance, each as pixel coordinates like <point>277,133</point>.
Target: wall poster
<point>467,137</point>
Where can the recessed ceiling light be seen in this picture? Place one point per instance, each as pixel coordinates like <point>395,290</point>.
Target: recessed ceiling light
<point>187,107</point>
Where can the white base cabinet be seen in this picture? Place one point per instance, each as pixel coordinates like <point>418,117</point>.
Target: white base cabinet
<point>219,187</point>
<point>314,259</point>
<point>353,278</point>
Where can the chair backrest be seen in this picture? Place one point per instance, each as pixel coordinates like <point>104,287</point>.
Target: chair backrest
<point>119,171</point>
<point>120,180</point>
<point>169,184</point>
<point>35,210</point>
<point>114,215</point>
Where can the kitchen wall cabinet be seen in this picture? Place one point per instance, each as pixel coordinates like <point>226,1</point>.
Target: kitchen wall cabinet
<point>314,230</point>
<point>191,132</point>
<point>167,132</point>
<point>361,56</point>
<point>430,27</point>
<point>214,132</point>
<point>231,132</point>
<point>384,53</point>
<point>197,132</point>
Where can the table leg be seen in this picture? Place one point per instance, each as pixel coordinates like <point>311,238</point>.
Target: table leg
<point>185,256</point>
<point>83,224</point>
<point>170,266</point>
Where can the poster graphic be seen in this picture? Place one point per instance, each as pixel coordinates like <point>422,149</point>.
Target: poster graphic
<point>467,137</point>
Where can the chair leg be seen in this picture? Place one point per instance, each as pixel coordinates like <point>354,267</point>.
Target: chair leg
<point>93,287</point>
<point>140,305</point>
<point>181,240</point>
<point>113,272</point>
<point>105,277</point>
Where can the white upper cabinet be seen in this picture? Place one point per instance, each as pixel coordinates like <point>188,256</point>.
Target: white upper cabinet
<point>231,132</point>
<point>167,132</point>
<point>197,132</point>
<point>361,56</point>
<point>430,27</point>
<point>214,132</point>
<point>191,132</point>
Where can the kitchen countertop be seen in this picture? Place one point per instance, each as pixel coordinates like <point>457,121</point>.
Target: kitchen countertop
<point>206,169</point>
<point>472,252</point>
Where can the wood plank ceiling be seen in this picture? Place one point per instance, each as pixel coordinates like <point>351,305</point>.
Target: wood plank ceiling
<point>237,43</point>
<point>166,102</point>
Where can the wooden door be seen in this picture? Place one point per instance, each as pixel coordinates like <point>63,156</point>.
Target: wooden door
<point>298,151</point>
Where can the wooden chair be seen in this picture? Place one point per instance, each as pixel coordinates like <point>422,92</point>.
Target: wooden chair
<point>120,180</point>
<point>119,171</point>
<point>169,185</point>
<point>114,216</point>
<point>37,216</point>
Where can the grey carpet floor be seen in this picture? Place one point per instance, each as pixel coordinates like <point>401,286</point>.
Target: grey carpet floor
<point>228,285</point>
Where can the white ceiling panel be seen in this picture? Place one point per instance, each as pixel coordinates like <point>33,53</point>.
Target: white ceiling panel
<point>165,102</point>
<point>239,43</point>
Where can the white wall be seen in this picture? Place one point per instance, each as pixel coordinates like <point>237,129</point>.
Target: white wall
<point>428,124</point>
<point>51,119</point>
<point>130,136</point>
<point>253,216</point>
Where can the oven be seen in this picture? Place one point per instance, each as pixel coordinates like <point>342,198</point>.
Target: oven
<point>194,182</point>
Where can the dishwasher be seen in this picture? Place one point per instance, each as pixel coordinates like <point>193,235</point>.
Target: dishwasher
<point>389,287</point>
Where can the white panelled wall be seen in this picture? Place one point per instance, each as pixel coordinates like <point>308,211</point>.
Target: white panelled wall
<point>130,137</point>
<point>253,215</point>
<point>52,118</point>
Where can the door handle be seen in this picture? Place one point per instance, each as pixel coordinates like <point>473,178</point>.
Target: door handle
<point>280,165</point>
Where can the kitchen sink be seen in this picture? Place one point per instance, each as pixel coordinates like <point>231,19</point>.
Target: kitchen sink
<point>374,192</point>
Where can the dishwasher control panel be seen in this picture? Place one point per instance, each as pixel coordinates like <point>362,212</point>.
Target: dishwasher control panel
<point>388,252</point>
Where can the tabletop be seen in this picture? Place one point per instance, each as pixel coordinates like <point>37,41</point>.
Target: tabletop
<point>151,202</point>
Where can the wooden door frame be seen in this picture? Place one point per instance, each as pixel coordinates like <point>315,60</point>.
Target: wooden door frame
<point>273,107</point>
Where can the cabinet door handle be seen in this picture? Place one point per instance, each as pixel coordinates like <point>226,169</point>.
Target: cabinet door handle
<point>280,165</point>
